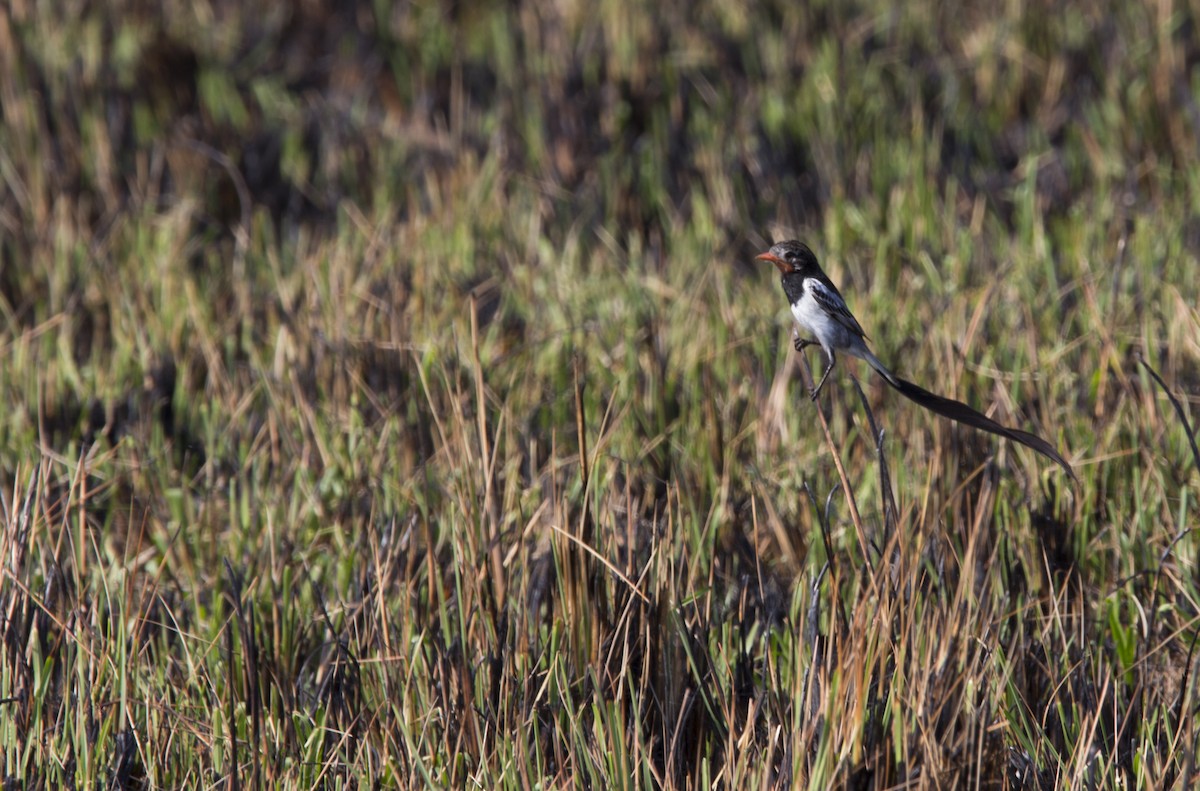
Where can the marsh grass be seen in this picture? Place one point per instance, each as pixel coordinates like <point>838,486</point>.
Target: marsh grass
<point>391,400</point>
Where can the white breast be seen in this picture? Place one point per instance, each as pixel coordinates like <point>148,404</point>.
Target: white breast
<point>814,320</point>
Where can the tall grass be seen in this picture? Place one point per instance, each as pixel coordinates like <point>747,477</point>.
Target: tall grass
<point>393,401</point>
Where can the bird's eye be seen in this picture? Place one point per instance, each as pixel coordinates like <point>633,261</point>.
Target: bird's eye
<point>790,256</point>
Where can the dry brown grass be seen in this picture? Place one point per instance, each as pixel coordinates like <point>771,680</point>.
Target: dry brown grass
<point>392,401</point>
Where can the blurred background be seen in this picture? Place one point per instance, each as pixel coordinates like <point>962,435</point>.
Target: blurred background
<point>729,119</point>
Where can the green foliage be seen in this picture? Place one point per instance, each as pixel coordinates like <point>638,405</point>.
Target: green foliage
<point>392,398</point>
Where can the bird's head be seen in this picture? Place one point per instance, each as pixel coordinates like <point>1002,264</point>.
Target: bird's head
<point>788,257</point>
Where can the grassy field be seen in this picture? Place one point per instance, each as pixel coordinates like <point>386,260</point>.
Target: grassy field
<point>391,399</point>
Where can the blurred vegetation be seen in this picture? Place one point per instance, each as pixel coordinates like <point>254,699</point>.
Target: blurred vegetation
<point>393,400</point>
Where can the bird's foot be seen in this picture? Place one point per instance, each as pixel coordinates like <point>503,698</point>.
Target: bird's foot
<point>799,344</point>
<point>817,389</point>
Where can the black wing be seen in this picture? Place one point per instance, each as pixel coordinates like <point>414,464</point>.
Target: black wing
<point>827,296</point>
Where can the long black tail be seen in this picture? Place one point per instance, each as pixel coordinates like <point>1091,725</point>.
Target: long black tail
<point>960,412</point>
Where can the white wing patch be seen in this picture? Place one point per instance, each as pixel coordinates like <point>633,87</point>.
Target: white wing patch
<point>834,305</point>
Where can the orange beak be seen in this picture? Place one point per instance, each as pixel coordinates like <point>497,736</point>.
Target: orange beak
<point>780,264</point>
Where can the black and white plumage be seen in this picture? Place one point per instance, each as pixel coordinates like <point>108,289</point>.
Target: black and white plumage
<point>820,310</point>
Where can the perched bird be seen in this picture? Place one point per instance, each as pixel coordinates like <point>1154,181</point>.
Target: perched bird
<point>819,309</point>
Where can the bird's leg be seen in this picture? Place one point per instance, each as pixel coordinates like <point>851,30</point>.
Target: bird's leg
<point>799,343</point>
<point>816,390</point>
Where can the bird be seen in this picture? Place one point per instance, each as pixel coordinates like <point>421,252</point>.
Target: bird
<point>819,309</point>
